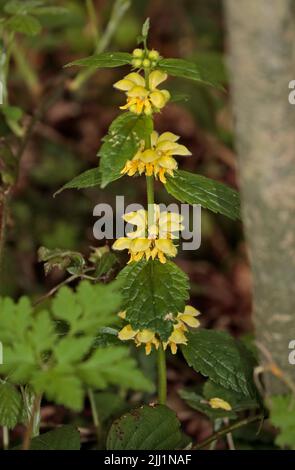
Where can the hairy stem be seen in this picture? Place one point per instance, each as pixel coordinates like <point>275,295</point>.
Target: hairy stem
<point>162,376</point>
<point>31,425</point>
<point>226,430</point>
<point>5,437</point>
<point>94,413</point>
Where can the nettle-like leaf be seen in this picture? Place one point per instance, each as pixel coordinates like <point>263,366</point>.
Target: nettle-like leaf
<point>64,438</point>
<point>121,144</point>
<point>10,405</point>
<point>72,261</point>
<point>226,361</point>
<point>152,290</point>
<point>238,401</point>
<point>104,60</point>
<point>196,189</point>
<point>199,403</point>
<point>87,179</point>
<point>147,428</point>
<point>282,415</point>
<point>186,69</point>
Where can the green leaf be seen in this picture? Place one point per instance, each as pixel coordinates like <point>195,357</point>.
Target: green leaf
<point>15,7</point>
<point>25,24</point>
<point>109,404</point>
<point>121,144</point>
<point>196,189</point>
<point>146,428</point>
<point>50,10</point>
<point>237,401</point>
<point>186,69</point>
<point>89,308</point>
<point>152,290</point>
<point>104,60</point>
<point>197,402</point>
<point>87,179</point>
<point>10,405</point>
<point>12,113</point>
<point>226,361</point>
<point>72,261</point>
<point>71,350</point>
<point>63,438</point>
<point>113,365</point>
<point>282,415</point>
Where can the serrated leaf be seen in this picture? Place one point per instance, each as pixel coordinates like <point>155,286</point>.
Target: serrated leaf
<point>186,69</point>
<point>146,428</point>
<point>237,401</point>
<point>10,405</point>
<point>104,60</point>
<point>152,290</point>
<point>226,361</point>
<point>282,415</point>
<point>72,261</point>
<point>71,350</point>
<point>196,189</point>
<point>197,402</point>
<point>87,179</point>
<point>121,144</point>
<point>113,365</point>
<point>64,438</point>
<point>25,24</point>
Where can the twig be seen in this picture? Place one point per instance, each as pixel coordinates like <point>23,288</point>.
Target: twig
<point>55,288</point>
<point>5,437</point>
<point>94,413</point>
<point>30,427</point>
<point>226,430</point>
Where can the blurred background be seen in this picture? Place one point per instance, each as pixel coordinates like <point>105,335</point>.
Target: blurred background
<point>65,140</point>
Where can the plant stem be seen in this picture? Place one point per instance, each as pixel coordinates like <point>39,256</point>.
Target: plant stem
<point>31,425</point>
<point>94,412</point>
<point>162,376</point>
<point>226,430</point>
<point>5,434</point>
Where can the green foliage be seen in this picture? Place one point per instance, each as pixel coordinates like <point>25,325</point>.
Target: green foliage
<point>282,415</point>
<point>196,189</point>
<point>185,69</point>
<point>104,60</point>
<point>199,403</point>
<point>146,428</point>
<point>87,179</point>
<point>10,405</point>
<point>238,401</point>
<point>72,261</point>
<point>63,438</point>
<point>152,290</point>
<point>121,144</point>
<point>54,351</point>
<point>223,359</point>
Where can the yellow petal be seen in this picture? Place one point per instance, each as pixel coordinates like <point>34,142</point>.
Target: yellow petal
<point>181,150</point>
<point>219,403</point>
<point>168,162</point>
<point>136,78</point>
<point>140,244</point>
<point>168,136</point>
<point>122,314</point>
<point>148,348</point>
<point>156,77</point>
<point>137,91</point>
<point>178,336</point>
<point>124,85</point>
<point>154,138</point>
<point>122,244</point>
<point>137,218</point>
<point>166,246</point>
<point>173,348</point>
<point>145,336</point>
<point>148,156</point>
<point>127,333</point>
<point>158,99</point>
<point>189,310</point>
<point>189,320</point>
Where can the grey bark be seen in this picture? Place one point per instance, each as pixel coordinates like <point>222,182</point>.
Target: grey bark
<point>261,36</point>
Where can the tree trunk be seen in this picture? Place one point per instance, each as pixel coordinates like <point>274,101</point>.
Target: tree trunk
<point>262,63</point>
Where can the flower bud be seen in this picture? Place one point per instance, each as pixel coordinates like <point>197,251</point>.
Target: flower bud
<point>146,63</point>
<point>138,53</point>
<point>137,63</point>
<point>154,55</point>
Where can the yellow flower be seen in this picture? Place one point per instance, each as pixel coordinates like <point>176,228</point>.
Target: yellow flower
<point>150,241</point>
<point>146,337</point>
<point>179,329</point>
<point>158,160</point>
<point>188,317</point>
<point>143,97</point>
<point>218,403</point>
